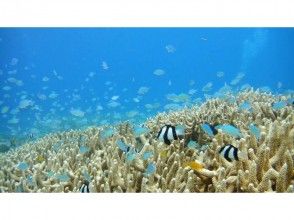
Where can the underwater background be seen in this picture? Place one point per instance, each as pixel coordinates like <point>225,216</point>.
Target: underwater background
<point>57,79</point>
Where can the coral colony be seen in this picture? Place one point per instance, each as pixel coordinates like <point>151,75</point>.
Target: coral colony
<point>244,145</point>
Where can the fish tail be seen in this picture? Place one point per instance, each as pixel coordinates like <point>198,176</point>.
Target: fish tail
<point>193,165</point>
<point>217,126</point>
<point>243,155</point>
<point>180,130</point>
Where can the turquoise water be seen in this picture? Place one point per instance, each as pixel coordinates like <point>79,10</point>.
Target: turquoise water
<point>57,79</point>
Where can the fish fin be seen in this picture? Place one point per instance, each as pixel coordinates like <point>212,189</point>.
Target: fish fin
<point>213,129</point>
<point>218,126</point>
<point>194,165</point>
<point>242,155</point>
<point>197,166</point>
<point>180,130</point>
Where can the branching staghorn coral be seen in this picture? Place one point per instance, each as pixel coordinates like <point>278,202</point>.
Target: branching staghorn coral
<point>56,163</point>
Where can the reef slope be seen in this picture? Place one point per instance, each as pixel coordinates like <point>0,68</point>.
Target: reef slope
<point>55,162</point>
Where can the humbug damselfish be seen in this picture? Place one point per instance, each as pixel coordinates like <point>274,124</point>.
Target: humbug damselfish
<point>169,133</point>
<point>230,153</point>
<point>85,187</point>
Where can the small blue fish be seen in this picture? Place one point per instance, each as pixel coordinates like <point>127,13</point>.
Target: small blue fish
<point>121,145</point>
<point>254,130</point>
<point>87,175</point>
<point>245,106</point>
<point>50,174</point>
<point>147,155</point>
<point>291,102</point>
<point>19,188</point>
<point>106,133</point>
<point>23,166</point>
<point>180,130</point>
<point>56,146</point>
<point>138,130</point>
<point>209,129</point>
<point>151,168</point>
<point>30,180</point>
<point>193,144</point>
<point>279,105</point>
<point>230,130</point>
<point>84,149</point>
<point>131,155</point>
<point>83,139</point>
<point>231,100</point>
<point>265,89</point>
<point>63,177</point>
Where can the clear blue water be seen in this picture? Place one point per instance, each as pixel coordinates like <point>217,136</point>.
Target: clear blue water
<point>56,79</point>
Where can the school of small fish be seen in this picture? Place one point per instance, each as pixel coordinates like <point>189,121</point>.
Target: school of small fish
<point>48,111</point>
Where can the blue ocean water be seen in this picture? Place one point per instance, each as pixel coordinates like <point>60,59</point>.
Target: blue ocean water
<point>56,79</point>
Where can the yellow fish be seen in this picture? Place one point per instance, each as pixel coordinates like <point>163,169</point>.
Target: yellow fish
<point>40,159</point>
<point>194,165</point>
<point>163,154</point>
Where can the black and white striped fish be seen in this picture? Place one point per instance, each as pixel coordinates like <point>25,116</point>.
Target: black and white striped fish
<point>230,153</point>
<point>31,136</point>
<point>169,133</point>
<point>85,187</point>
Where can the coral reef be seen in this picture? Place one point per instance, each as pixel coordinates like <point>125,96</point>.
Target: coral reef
<point>4,148</point>
<point>56,164</point>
